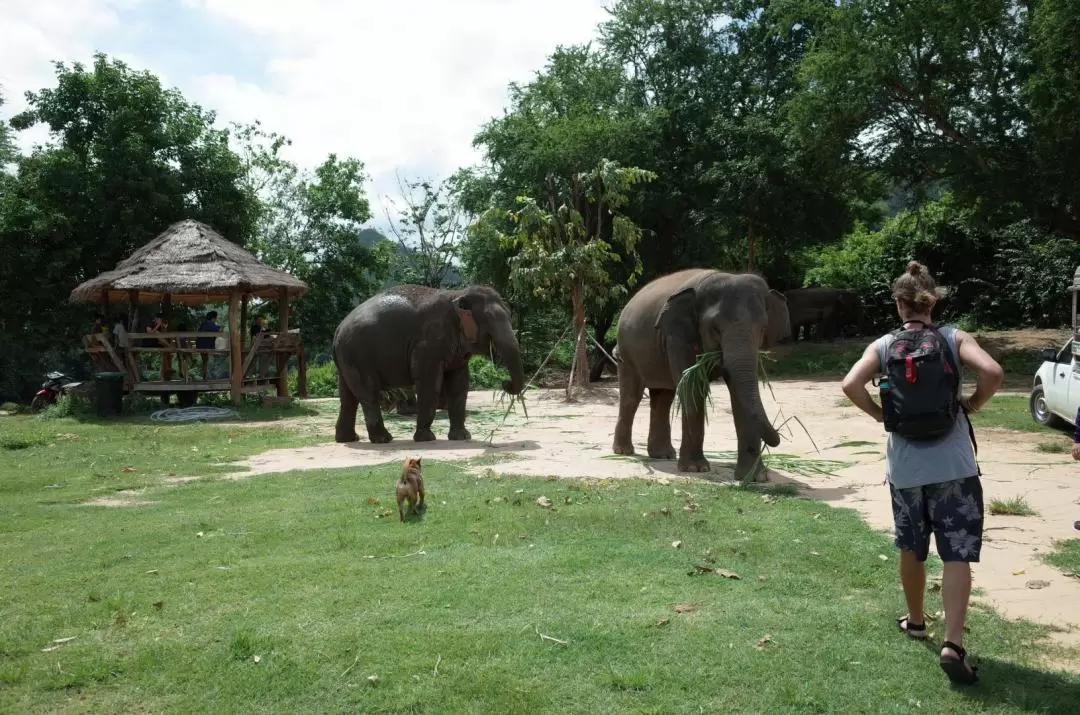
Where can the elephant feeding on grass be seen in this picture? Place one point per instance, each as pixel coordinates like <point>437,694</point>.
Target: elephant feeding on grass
<point>663,329</point>
<point>417,337</point>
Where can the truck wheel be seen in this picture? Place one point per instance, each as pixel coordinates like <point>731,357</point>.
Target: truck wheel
<point>1039,411</point>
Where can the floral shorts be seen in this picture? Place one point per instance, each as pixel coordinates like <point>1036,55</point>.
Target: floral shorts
<point>953,511</point>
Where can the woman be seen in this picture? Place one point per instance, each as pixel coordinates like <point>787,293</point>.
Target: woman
<point>934,482</point>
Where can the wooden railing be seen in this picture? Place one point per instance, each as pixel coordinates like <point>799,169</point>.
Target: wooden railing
<point>179,353</point>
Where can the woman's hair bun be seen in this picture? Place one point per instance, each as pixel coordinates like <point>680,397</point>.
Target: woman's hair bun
<point>915,268</point>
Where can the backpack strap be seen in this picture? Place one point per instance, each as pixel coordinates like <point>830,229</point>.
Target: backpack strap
<point>959,384</point>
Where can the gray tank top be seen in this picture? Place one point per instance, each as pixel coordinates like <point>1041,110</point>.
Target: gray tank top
<point>910,463</point>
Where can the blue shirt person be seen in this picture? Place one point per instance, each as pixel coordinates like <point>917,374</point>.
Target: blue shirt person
<point>209,325</point>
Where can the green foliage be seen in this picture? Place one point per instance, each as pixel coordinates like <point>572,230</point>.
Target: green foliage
<point>322,380</point>
<point>309,225</point>
<point>1004,277</point>
<point>430,224</point>
<point>126,157</point>
<point>486,375</point>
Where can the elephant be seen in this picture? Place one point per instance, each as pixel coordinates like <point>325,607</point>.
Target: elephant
<point>830,310</point>
<point>419,338</point>
<point>661,332</point>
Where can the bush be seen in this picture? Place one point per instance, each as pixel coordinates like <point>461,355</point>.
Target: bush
<point>322,380</point>
<point>1013,276</point>
<point>485,375</point>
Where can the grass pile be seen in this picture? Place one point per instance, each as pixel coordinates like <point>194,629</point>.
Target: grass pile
<point>695,387</point>
<point>301,592</point>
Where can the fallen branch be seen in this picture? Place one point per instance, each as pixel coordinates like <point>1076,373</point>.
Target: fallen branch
<point>355,661</point>
<point>421,552</point>
<point>544,637</point>
<point>435,673</point>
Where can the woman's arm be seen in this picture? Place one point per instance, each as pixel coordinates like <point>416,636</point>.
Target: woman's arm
<point>989,372</point>
<point>854,384</point>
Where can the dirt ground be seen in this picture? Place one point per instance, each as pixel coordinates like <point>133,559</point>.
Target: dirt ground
<point>574,440</point>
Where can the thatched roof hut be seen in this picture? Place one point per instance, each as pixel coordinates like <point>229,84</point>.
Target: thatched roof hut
<point>193,264</point>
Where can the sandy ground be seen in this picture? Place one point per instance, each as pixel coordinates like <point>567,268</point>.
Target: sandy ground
<point>574,440</point>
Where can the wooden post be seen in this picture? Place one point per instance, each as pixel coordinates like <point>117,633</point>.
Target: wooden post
<point>283,328</point>
<point>236,370</point>
<point>244,315</point>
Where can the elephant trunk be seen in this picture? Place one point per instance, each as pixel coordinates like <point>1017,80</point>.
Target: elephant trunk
<point>510,352</point>
<point>741,364</point>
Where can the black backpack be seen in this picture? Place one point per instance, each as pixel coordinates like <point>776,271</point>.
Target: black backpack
<point>920,397</point>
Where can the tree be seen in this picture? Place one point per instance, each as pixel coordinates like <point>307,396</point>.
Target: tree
<point>309,224</point>
<point>126,158</point>
<point>1054,94</point>
<point>932,94</point>
<point>566,247</point>
<point>429,228</point>
<point>7,144</point>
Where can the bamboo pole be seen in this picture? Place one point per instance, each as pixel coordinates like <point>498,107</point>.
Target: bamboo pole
<point>283,358</point>
<point>236,370</point>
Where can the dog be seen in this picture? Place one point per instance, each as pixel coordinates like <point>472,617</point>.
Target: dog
<point>410,487</point>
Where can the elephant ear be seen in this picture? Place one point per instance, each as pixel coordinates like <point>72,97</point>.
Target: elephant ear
<point>778,329</point>
<point>468,323</point>
<point>678,316</point>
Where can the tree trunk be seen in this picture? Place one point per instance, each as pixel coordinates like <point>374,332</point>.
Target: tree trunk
<point>750,241</point>
<point>602,324</point>
<point>580,367</point>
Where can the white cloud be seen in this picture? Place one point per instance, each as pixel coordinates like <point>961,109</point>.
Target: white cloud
<point>398,85</point>
<point>401,85</point>
<point>35,33</point>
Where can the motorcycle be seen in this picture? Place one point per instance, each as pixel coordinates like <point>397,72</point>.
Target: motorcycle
<point>55,385</point>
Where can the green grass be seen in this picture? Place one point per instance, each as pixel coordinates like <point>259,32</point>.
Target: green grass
<point>489,603</point>
<point>1066,556</point>
<point>1017,506</point>
<point>1009,412</point>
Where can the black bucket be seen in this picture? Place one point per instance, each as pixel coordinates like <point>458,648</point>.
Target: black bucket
<point>109,393</point>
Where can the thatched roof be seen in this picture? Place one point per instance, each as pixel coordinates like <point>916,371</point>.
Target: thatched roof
<point>193,264</point>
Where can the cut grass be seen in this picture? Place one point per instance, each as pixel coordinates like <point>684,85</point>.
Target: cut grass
<point>1066,556</point>
<point>287,592</point>
<point>1017,506</point>
<point>1053,447</point>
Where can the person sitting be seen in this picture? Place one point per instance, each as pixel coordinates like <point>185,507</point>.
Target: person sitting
<point>258,325</point>
<point>161,325</point>
<point>209,325</point>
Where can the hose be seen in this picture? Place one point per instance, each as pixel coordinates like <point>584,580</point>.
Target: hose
<point>192,414</point>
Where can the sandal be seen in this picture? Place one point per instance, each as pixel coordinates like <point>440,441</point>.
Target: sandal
<point>918,632</point>
<point>956,668</point>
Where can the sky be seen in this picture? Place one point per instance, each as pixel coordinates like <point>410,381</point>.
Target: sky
<point>403,86</point>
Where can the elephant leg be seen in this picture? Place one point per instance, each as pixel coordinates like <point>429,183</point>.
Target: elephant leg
<point>748,465</point>
<point>345,431</point>
<point>660,424</point>
<point>455,392</point>
<point>691,448</point>
<point>427,397</point>
<point>631,390</point>
<point>373,419</point>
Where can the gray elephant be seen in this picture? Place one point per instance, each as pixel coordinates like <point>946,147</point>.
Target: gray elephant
<point>663,329</point>
<point>419,338</point>
<point>828,310</point>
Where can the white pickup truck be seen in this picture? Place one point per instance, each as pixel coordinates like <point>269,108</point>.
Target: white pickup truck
<point>1055,393</point>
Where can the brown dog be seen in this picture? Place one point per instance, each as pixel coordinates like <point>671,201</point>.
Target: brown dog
<point>410,486</point>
